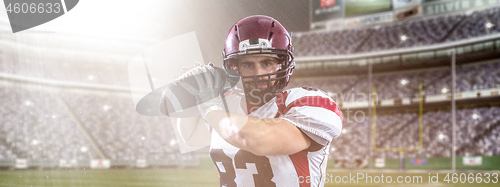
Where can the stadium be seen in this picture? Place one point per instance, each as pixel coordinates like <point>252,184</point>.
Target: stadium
<point>418,83</point>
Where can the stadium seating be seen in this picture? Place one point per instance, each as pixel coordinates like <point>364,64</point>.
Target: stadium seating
<point>389,85</point>
<point>33,130</point>
<point>37,125</point>
<point>407,34</point>
<point>44,123</point>
<point>475,135</point>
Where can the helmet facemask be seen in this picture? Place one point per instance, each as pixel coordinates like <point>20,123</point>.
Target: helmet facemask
<point>252,85</point>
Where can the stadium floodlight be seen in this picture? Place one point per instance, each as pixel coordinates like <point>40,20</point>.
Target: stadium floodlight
<point>28,103</point>
<point>54,116</point>
<point>34,142</point>
<point>475,116</point>
<point>172,142</point>
<point>91,77</point>
<point>404,81</point>
<point>84,149</point>
<point>332,149</point>
<point>488,25</point>
<point>143,138</point>
<point>444,90</point>
<point>441,136</point>
<point>344,131</point>
<point>106,107</point>
<point>403,37</point>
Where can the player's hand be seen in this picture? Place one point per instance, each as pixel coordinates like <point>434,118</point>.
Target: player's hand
<point>210,86</point>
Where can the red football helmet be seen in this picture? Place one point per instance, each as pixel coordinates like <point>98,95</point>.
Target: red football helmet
<point>260,35</point>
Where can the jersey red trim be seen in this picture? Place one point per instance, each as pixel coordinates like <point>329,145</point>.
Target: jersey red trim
<point>315,101</point>
<point>280,102</point>
<point>301,164</point>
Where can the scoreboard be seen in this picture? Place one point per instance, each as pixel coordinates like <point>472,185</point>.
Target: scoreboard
<point>339,14</point>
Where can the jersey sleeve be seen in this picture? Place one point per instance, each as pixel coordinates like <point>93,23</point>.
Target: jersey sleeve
<point>314,113</point>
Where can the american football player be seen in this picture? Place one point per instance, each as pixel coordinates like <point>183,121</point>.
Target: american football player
<point>264,135</point>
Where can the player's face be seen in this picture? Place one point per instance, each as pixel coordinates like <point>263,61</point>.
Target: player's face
<point>258,65</point>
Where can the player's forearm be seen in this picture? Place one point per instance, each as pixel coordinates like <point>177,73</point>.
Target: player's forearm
<point>259,136</point>
<point>280,137</point>
<point>241,131</point>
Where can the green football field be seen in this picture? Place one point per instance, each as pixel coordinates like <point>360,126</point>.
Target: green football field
<point>207,177</point>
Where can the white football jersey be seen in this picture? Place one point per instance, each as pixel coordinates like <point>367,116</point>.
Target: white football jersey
<point>313,112</point>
